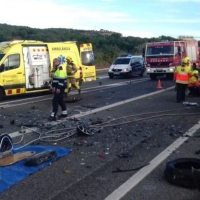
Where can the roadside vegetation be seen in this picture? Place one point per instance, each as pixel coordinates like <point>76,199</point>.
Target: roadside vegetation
<point>107,45</point>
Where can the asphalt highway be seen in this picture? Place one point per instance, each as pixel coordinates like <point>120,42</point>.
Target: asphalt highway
<point>134,123</point>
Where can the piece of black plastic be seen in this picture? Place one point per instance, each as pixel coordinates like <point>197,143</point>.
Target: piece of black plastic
<point>83,130</point>
<point>128,170</point>
<point>40,158</point>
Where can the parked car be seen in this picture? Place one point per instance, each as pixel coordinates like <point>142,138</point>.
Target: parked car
<point>127,66</point>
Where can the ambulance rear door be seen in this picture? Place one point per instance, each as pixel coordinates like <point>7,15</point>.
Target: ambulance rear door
<point>36,59</point>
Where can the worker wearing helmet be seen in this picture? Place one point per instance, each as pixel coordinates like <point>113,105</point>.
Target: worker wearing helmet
<point>181,75</point>
<point>71,71</point>
<point>188,62</point>
<point>194,86</point>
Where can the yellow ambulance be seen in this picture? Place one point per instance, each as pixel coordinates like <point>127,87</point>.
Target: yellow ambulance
<point>25,66</point>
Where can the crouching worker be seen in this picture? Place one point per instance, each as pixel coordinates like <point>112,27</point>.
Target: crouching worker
<point>71,71</point>
<point>194,86</point>
<point>58,87</point>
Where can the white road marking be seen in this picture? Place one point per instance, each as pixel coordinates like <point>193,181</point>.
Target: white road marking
<point>121,191</point>
<point>15,134</point>
<point>102,77</point>
<point>90,89</point>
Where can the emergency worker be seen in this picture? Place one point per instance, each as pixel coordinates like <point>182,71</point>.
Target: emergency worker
<point>188,62</point>
<point>181,75</point>
<point>58,87</point>
<point>71,71</point>
<point>194,86</point>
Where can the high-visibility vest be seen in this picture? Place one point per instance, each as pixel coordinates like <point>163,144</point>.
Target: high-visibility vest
<point>182,74</point>
<point>59,79</point>
<point>193,81</point>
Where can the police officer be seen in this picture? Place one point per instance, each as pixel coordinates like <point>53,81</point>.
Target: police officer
<point>58,88</point>
<point>181,75</point>
<point>71,71</point>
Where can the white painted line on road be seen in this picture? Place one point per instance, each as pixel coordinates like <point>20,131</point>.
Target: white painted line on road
<point>15,134</point>
<point>102,77</point>
<point>85,90</point>
<point>120,103</point>
<point>145,171</point>
<point>115,104</point>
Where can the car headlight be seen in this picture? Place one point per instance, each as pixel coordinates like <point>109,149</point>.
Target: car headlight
<point>110,70</point>
<point>171,69</point>
<point>148,69</point>
<point>126,70</point>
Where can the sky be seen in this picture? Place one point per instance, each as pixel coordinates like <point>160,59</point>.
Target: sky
<point>138,18</point>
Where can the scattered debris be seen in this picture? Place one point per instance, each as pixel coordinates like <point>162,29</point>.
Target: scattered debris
<point>12,122</point>
<point>125,155</point>
<point>128,170</point>
<point>102,155</point>
<point>73,99</point>
<point>67,171</point>
<point>190,104</point>
<point>88,106</point>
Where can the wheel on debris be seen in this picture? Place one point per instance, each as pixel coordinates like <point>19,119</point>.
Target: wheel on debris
<point>179,171</point>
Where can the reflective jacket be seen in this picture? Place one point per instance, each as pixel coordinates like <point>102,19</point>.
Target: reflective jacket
<point>193,82</point>
<point>182,74</point>
<point>71,70</point>
<point>59,78</point>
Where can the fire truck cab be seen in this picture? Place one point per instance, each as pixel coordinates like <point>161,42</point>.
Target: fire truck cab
<point>162,57</point>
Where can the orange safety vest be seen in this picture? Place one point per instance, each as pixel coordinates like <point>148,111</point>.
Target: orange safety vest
<point>193,82</point>
<point>182,74</point>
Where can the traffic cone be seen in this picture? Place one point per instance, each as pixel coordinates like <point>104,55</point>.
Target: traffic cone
<point>159,84</point>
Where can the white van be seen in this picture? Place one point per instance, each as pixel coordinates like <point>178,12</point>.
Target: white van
<point>127,66</point>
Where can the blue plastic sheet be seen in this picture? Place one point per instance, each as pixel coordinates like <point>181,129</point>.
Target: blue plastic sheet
<point>10,175</point>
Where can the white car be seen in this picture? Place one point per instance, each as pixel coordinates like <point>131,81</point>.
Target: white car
<point>127,66</point>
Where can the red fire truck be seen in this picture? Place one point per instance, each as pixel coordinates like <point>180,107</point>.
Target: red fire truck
<point>162,57</point>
